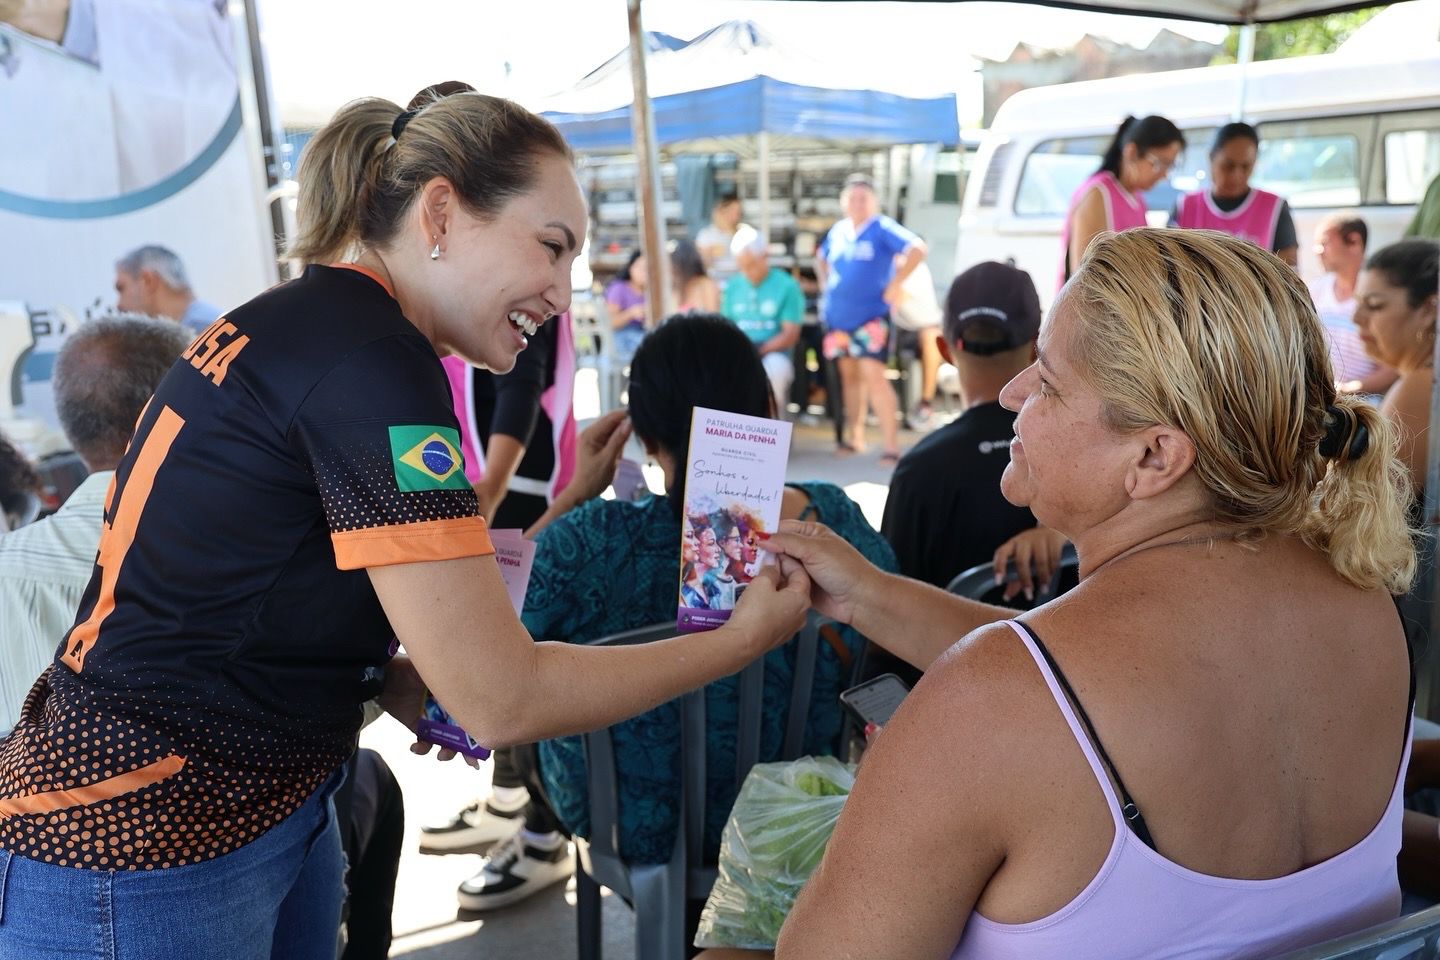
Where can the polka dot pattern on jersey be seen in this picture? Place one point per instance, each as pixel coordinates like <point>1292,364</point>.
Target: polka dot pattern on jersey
<point>357,485</point>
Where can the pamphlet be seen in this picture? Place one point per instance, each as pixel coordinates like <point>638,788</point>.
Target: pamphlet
<point>629,483</point>
<point>515,556</point>
<point>734,479</point>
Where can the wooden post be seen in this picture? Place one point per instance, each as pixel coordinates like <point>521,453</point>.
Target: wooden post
<point>762,147</point>
<point>647,180</point>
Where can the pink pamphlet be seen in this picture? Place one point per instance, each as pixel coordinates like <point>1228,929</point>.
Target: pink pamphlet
<point>734,480</point>
<point>515,555</point>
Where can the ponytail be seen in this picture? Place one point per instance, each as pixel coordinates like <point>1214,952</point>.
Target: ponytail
<point>1113,153</point>
<point>1147,133</point>
<point>1359,514</point>
<point>361,172</point>
<point>341,165</point>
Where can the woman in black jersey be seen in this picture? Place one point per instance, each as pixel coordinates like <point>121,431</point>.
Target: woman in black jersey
<point>294,499</point>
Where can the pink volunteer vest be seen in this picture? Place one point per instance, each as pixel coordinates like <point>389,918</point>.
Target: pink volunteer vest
<point>558,402</point>
<point>1254,220</point>
<point>1123,211</point>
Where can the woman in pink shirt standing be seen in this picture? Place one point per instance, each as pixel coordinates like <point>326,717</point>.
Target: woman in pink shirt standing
<point>1140,156</point>
<point>1232,206</point>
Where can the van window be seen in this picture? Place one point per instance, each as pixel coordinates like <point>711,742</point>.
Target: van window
<point>1308,164</point>
<point>1055,169</point>
<point>1411,159</point>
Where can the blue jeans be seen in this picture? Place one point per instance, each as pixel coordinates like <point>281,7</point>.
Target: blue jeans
<point>277,897</point>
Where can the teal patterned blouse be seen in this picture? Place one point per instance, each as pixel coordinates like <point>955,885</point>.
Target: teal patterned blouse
<point>609,566</point>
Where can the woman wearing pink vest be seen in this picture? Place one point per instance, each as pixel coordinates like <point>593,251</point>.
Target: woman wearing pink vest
<point>1231,205</point>
<point>1140,156</point>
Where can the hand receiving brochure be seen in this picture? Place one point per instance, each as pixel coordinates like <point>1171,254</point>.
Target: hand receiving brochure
<point>734,480</point>
<point>515,555</point>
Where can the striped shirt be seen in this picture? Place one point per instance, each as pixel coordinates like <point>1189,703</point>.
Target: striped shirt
<point>44,568</point>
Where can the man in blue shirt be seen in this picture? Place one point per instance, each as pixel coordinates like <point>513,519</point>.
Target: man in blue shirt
<point>151,280</point>
<point>862,263</point>
<point>765,302</point>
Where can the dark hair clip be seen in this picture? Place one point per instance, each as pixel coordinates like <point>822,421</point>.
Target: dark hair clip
<point>1346,437</point>
<point>399,125</point>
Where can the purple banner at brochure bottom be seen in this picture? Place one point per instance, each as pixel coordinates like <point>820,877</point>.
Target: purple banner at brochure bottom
<point>449,735</point>
<point>692,620</point>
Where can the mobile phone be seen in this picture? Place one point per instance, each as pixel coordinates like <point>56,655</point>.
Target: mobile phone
<point>875,701</point>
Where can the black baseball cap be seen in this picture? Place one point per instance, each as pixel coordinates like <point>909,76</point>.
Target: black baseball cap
<point>991,308</point>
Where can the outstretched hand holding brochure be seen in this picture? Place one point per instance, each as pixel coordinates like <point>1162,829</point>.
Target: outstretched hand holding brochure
<point>515,555</point>
<point>734,481</point>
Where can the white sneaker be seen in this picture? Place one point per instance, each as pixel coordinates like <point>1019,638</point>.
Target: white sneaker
<point>513,871</point>
<point>477,825</point>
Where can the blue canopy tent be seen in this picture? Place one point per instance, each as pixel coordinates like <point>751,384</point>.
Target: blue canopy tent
<point>734,89</point>
<point>766,105</point>
<point>735,80</point>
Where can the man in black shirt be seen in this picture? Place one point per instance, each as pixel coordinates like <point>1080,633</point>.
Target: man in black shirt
<point>945,513</point>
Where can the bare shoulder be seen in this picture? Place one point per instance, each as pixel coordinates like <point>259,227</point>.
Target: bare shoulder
<point>1409,400</point>
<point>975,704</point>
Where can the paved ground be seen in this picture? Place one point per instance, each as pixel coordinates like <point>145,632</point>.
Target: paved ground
<point>426,923</point>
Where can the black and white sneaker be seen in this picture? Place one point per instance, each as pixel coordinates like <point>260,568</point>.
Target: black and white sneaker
<point>516,869</point>
<point>478,825</point>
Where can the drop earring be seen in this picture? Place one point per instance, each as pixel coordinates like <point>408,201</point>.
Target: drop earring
<point>435,251</point>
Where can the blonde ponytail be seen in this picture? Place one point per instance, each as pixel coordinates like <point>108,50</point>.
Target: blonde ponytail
<point>358,178</point>
<point>1359,514</point>
<point>340,167</point>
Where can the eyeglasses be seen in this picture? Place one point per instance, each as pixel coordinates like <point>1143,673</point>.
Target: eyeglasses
<point>1158,165</point>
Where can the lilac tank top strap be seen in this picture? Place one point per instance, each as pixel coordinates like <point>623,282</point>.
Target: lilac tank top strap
<point>1077,729</point>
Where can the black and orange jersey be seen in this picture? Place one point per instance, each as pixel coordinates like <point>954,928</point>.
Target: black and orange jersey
<point>216,669</point>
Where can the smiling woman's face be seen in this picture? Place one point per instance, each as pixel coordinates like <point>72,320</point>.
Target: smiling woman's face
<point>499,278</point>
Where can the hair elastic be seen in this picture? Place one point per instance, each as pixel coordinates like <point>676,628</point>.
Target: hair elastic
<point>400,123</point>
<point>1346,438</point>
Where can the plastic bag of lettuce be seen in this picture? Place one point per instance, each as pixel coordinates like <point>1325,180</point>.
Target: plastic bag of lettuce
<point>776,835</point>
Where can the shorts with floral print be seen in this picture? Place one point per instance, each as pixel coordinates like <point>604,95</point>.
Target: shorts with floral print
<point>869,341</point>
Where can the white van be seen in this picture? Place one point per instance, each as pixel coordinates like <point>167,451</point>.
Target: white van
<point>1336,133</point>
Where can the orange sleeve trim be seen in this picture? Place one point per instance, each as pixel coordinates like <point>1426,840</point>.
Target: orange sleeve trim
<point>98,792</point>
<point>411,543</point>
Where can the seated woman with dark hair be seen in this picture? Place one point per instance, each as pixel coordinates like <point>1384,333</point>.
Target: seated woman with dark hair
<point>609,566</point>
<point>1395,310</point>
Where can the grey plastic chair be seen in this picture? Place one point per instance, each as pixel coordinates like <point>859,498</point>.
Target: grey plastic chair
<point>978,583</point>
<point>1415,936</point>
<point>659,893</point>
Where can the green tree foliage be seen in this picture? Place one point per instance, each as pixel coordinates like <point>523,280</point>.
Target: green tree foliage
<point>1298,38</point>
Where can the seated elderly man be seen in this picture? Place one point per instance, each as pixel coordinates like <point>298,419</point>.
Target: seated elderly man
<point>104,375</point>
<point>765,302</point>
<point>1203,746</point>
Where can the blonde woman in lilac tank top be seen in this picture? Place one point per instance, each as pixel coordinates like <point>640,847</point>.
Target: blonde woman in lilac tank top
<point>1198,751</point>
<point>1140,155</point>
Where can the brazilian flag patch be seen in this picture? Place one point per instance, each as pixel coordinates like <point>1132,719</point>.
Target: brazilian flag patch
<point>427,458</point>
